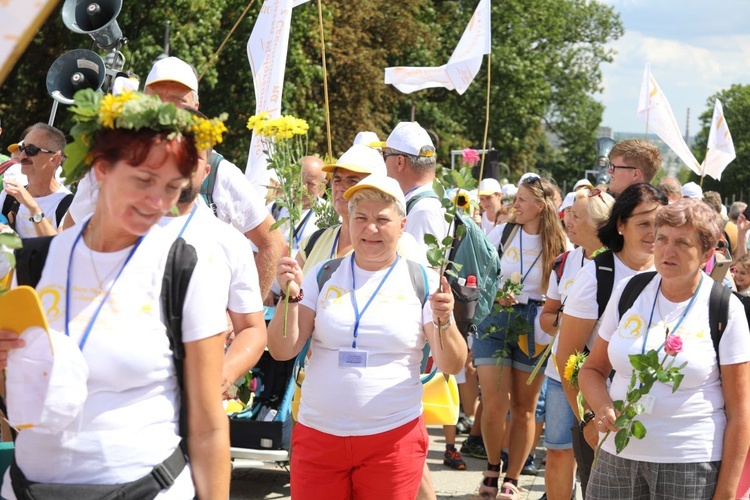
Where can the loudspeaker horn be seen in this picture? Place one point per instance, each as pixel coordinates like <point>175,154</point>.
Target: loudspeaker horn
<point>96,18</point>
<point>73,71</point>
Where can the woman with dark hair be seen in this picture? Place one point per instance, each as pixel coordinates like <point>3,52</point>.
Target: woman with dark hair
<point>698,433</point>
<point>629,235</point>
<point>500,352</point>
<point>106,277</point>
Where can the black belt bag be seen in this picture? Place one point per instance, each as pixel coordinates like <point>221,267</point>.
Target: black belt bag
<point>146,488</point>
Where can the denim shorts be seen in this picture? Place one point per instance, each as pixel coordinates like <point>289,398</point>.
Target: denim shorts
<point>488,347</point>
<point>560,418</point>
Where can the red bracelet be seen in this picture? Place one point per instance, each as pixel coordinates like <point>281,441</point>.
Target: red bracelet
<point>293,300</point>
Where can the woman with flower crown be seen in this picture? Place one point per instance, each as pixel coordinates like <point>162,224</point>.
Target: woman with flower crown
<point>504,353</point>
<point>103,284</point>
<point>694,432</point>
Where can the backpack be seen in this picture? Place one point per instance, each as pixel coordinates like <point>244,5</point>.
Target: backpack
<point>559,265</point>
<point>605,278</point>
<point>11,205</point>
<point>718,304</point>
<point>314,237</point>
<point>207,188</point>
<point>478,258</point>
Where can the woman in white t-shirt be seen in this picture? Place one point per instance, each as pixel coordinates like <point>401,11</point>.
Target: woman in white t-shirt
<point>361,433</point>
<point>590,210</point>
<point>537,240</point>
<point>698,435</point>
<point>629,235</point>
<point>101,286</point>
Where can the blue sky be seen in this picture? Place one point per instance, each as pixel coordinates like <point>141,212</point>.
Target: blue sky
<point>696,48</point>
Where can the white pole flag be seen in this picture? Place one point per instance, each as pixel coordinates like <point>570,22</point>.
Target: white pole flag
<point>266,51</point>
<point>654,109</point>
<point>720,145</point>
<point>462,66</point>
<point>21,19</point>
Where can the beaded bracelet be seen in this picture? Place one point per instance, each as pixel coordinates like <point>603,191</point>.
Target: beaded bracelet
<point>292,300</point>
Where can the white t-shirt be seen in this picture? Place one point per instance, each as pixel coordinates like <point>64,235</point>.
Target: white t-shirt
<point>487,224</point>
<point>559,291</point>
<point>304,227</point>
<point>237,201</point>
<point>354,401</point>
<point>582,302</point>
<point>48,204</point>
<point>236,269</point>
<point>426,217</point>
<point>686,426</point>
<point>129,422</point>
<point>528,262</point>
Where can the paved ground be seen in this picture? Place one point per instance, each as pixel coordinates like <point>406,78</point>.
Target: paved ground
<point>272,482</point>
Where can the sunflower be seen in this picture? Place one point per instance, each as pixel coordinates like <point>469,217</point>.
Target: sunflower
<point>462,200</point>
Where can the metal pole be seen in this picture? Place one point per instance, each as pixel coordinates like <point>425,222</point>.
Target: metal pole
<point>52,115</point>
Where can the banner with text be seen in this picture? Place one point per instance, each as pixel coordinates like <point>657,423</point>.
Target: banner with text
<point>21,19</point>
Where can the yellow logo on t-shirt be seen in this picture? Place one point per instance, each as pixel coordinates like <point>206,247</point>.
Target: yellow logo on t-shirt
<point>511,254</point>
<point>50,299</point>
<point>631,328</point>
<point>332,296</point>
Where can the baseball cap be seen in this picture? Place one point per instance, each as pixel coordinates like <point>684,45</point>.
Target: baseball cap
<point>568,201</point>
<point>583,183</point>
<point>359,158</point>
<point>368,139</point>
<point>509,190</point>
<point>13,148</point>
<point>489,186</point>
<point>412,139</point>
<point>382,183</point>
<point>173,69</point>
<point>692,190</point>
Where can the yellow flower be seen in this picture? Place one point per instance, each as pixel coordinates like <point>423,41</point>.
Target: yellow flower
<point>257,121</point>
<point>207,132</point>
<point>570,366</point>
<point>462,200</point>
<point>111,107</point>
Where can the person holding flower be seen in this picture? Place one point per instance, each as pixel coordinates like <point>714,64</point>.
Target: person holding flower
<point>367,328</point>
<point>694,431</point>
<point>101,287</point>
<point>505,349</point>
<point>590,210</point>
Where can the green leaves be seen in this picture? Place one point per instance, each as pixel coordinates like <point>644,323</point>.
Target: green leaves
<point>638,430</point>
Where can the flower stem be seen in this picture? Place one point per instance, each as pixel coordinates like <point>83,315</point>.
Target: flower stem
<point>542,357</point>
<point>599,447</point>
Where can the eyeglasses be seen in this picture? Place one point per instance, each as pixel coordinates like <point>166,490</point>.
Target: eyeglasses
<point>387,155</point>
<point>596,192</point>
<point>534,178</point>
<point>612,167</point>
<point>32,150</point>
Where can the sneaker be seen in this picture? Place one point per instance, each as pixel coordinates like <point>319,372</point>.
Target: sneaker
<point>504,458</point>
<point>508,491</point>
<point>474,448</point>
<point>463,426</point>
<point>452,458</point>
<point>530,468</point>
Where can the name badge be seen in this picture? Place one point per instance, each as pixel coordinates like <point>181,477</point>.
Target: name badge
<point>356,358</point>
<point>648,401</point>
<point>522,298</point>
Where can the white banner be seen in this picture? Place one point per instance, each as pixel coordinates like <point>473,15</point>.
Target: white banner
<point>720,151</point>
<point>462,66</point>
<point>19,22</point>
<point>655,111</point>
<point>266,51</point>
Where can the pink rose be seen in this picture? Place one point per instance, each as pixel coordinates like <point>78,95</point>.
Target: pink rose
<point>673,345</point>
<point>470,156</point>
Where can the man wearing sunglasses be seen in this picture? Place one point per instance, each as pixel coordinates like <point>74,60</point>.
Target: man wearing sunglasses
<point>36,209</point>
<point>632,161</point>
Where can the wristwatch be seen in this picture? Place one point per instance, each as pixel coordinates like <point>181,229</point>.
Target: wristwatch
<point>587,417</point>
<point>37,218</point>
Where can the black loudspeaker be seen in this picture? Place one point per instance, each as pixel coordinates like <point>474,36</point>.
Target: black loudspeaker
<point>96,18</point>
<point>73,71</point>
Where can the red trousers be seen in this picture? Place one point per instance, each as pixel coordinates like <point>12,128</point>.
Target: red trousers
<point>388,465</point>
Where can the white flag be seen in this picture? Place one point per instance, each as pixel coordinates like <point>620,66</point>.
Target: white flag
<point>462,66</point>
<point>654,109</point>
<point>720,151</point>
<point>266,51</point>
<point>21,20</point>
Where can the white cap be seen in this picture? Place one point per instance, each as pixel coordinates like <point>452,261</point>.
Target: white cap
<point>410,138</point>
<point>527,175</point>
<point>382,183</point>
<point>509,190</point>
<point>489,186</point>
<point>368,139</point>
<point>359,158</point>
<point>173,69</point>
<point>692,190</point>
<point>568,201</point>
<point>583,183</point>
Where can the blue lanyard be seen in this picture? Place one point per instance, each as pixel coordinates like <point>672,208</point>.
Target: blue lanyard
<point>190,217</point>
<point>358,315</point>
<point>297,236</point>
<point>651,317</point>
<point>335,243</point>
<point>520,250</point>
<point>87,331</point>
<point>409,191</point>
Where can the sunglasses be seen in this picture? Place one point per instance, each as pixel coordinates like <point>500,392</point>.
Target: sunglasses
<point>596,192</point>
<point>388,155</point>
<point>32,150</point>
<point>612,167</point>
<point>532,180</point>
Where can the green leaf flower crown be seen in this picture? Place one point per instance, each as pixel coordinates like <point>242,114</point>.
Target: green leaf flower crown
<point>94,111</point>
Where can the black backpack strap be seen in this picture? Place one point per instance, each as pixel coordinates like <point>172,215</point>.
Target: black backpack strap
<point>326,271</point>
<point>413,201</point>
<point>62,208</point>
<point>275,210</point>
<point>718,314</point>
<point>312,240</point>
<point>632,290</point>
<point>30,260</point>
<point>207,188</point>
<point>605,278</point>
<point>10,205</point>
<point>181,263</point>
<point>509,232</point>
<point>559,265</point>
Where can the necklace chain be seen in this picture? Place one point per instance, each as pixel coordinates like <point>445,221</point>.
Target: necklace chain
<point>93,262</point>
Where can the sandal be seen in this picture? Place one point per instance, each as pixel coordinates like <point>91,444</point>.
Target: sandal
<point>509,491</point>
<point>488,492</point>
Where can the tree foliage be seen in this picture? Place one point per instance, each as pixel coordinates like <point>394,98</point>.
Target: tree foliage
<point>545,72</point>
